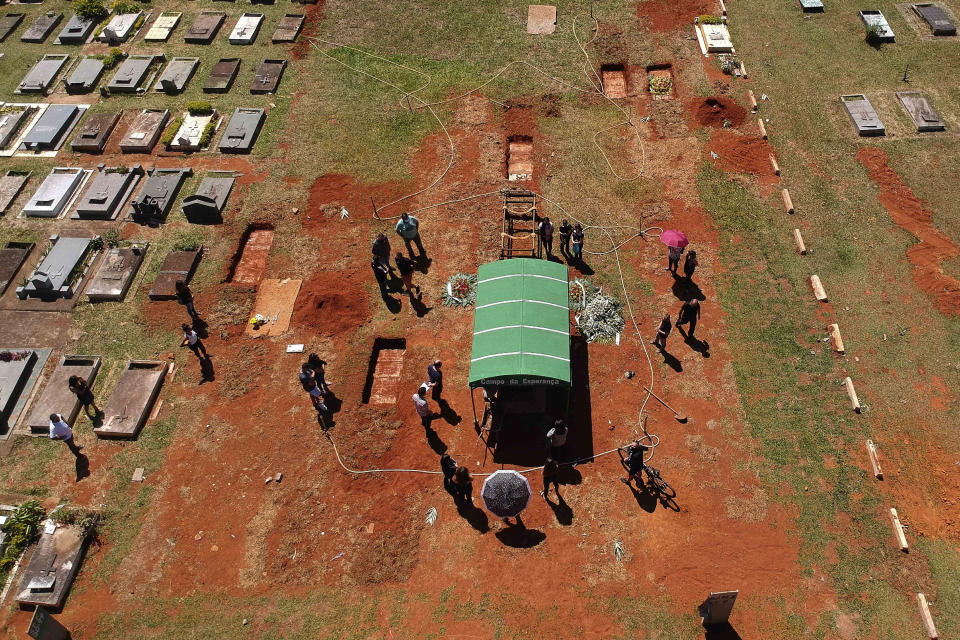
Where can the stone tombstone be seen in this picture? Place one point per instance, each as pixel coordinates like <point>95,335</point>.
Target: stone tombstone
<point>44,626</point>
<point>717,607</point>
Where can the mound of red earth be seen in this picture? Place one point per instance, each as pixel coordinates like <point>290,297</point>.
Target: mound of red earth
<point>740,153</point>
<point>718,111</point>
<point>330,304</point>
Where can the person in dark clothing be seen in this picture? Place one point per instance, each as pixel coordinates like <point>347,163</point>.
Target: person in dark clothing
<point>546,236</point>
<point>673,258</point>
<point>185,297</point>
<point>381,251</point>
<point>380,272</point>
<point>556,438</point>
<point>192,340</point>
<point>635,462</point>
<point>449,467</point>
<point>435,376</point>
<point>405,267</point>
<point>660,341</point>
<point>319,367</point>
<point>577,238</point>
<point>689,314</point>
<point>566,230</point>
<point>551,475</point>
<point>308,379</point>
<point>463,484</point>
<point>690,265</point>
<point>84,394</point>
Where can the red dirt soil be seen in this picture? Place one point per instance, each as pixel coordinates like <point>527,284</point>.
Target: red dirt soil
<point>908,212</point>
<point>671,15</point>
<point>330,303</point>
<point>713,111</point>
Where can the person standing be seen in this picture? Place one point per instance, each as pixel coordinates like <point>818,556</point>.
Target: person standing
<point>192,340</point>
<point>435,376</point>
<point>405,267</point>
<point>690,265</point>
<point>660,341</point>
<point>565,232</point>
<point>556,437</point>
<point>308,379</point>
<point>60,430</point>
<point>422,406</point>
<point>689,314</point>
<point>448,466</point>
<point>185,297</point>
<point>380,272</point>
<point>577,238</point>
<point>463,484</point>
<point>381,251</point>
<point>319,367</point>
<point>545,229</point>
<point>673,258</point>
<point>408,228</point>
<point>84,394</point>
<point>551,475</point>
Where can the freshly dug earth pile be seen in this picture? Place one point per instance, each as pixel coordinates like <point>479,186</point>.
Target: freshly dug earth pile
<point>715,110</point>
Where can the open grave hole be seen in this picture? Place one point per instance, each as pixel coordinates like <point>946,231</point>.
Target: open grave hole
<point>251,256</point>
<point>615,80</point>
<point>519,158</point>
<point>660,81</point>
<point>383,373</point>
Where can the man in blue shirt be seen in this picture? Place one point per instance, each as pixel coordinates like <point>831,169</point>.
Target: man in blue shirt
<point>408,228</point>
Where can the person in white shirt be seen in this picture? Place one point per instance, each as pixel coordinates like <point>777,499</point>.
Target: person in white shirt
<point>192,340</point>
<point>60,430</point>
<point>422,406</point>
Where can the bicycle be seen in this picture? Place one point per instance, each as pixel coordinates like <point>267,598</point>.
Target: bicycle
<point>655,483</point>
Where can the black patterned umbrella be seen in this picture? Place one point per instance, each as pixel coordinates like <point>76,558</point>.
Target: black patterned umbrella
<point>506,493</point>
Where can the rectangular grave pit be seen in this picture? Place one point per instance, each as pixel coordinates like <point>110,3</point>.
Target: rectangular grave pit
<point>382,386</point>
<point>289,28</point>
<point>12,121</point>
<point>267,76</point>
<point>131,74</point>
<point>222,76</point>
<point>55,192</point>
<point>76,31</point>
<point>921,112</point>
<point>116,272</point>
<point>615,80</point>
<point>14,377</point>
<point>52,279</point>
<point>129,405</point>
<point>206,205</point>
<point>190,133</point>
<point>175,77</point>
<point>120,28</point>
<point>939,21</point>
<point>664,70</point>
<point>42,27</point>
<point>52,128</point>
<point>204,28</point>
<point>863,114</point>
<point>57,555</point>
<point>251,256</point>
<point>163,26</point>
<point>93,134</point>
<point>541,19</point>
<point>520,158</point>
<point>246,29</point>
<point>874,18</point>
<point>158,194</point>
<point>144,131</point>
<point>107,193</point>
<point>85,76</point>
<point>11,184</point>
<point>57,397</point>
<point>42,75</point>
<point>8,24</point>
<point>178,265</point>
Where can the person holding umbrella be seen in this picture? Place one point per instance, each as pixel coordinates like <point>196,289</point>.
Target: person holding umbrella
<point>675,241</point>
<point>506,493</point>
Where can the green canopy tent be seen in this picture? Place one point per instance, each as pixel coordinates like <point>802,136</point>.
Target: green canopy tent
<point>521,329</point>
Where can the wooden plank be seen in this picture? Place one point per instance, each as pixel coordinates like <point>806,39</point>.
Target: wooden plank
<point>927,618</point>
<point>787,202</point>
<point>852,394</point>
<point>818,290</point>
<point>898,532</point>
<point>275,300</point>
<point>774,164</point>
<point>798,240</point>
<point>763,129</point>
<point>836,340</point>
<point>874,460</point>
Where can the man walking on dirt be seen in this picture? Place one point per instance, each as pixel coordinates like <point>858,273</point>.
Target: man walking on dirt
<point>408,228</point>
<point>546,236</point>
<point>422,406</point>
<point>689,314</point>
<point>60,430</point>
<point>381,252</point>
<point>435,376</point>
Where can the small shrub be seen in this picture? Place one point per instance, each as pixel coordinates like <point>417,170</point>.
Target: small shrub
<point>187,240</point>
<point>207,134</point>
<point>125,6</point>
<point>873,35</point>
<point>90,9</point>
<point>199,108</point>
<point>111,238</point>
<point>707,19</point>
<point>113,58</point>
<point>171,131</point>
<point>96,244</point>
<point>22,529</point>
<point>85,519</point>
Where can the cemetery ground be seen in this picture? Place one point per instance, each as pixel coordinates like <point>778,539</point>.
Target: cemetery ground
<point>774,488</point>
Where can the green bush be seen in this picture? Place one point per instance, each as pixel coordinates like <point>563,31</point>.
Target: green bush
<point>207,134</point>
<point>85,519</point>
<point>199,108</point>
<point>111,237</point>
<point>873,34</point>
<point>187,240</point>
<point>113,58</point>
<point>171,131</point>
<point>707,19</point>
<point>125,6</point>
<point>22,529</point>
<point>90,9</point>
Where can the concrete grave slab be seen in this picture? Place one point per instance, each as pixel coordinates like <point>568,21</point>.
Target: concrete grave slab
<point>275,301</point>
<point>175,77</point>
<point>42,27</point>
<point>206,205</point>
<point>190,133</point>
<point>55,192</point>
<point>811,6</point>
<point>8,23</point>
<point>61,272</point>
<point>93,133</point>
<point>51,129</point>
<point>163,26</point>
<point>131,400</point>
<point>11,184</point>
<point>204,28</point>
<point>16,366</point>
<point>717,38</point>
<point>12,257</point>
<point>178,265</point>
<point>872,17</point>
<point>43,73</point>
<point>85,76</point>
<point>144,131</point>
<point>76,31</point>
<point>116,272</point>
<point>267,76</point>
<point>937,19</point>
<point>921,111</point>
<point>131,73</point>
<point>246,29</point>
<point>13,119</point>
<point>541,19</point>
<point>120,27</point>
<point>54,564</point>
<point>242,130</point>
<point>107,193</point>
<point>57,397</point>
<point>158,194</point>
<point>289,28</point>
<point>222,75</point>
<point>863,114</point>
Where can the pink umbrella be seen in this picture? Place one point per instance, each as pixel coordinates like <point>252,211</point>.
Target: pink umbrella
<point>674,238</point>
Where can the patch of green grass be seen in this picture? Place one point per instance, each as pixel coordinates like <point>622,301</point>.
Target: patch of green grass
<point>944,560</point>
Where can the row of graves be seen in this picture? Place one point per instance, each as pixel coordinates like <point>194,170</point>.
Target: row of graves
<point>41,130</point>
<point>141,73</point>
<point>124,27</point>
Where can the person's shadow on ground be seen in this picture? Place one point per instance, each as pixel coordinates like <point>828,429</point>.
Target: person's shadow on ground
<point>422,263</point>
<point>569,475</point>
<point>333,403</point>
<point>416,303</point>
<point>207,373</point>
<point>700,346</point>
<point>645,500</point>
<point>447,413</point>
<point>582,267</point>
<point>473,514</point>
<point>561,510</point>
<point>393,304</point>
<point>518,536</point>
<point>685,289</point>
<point>433,439</point>
<point>82,467</point>
<point>671,361</point>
